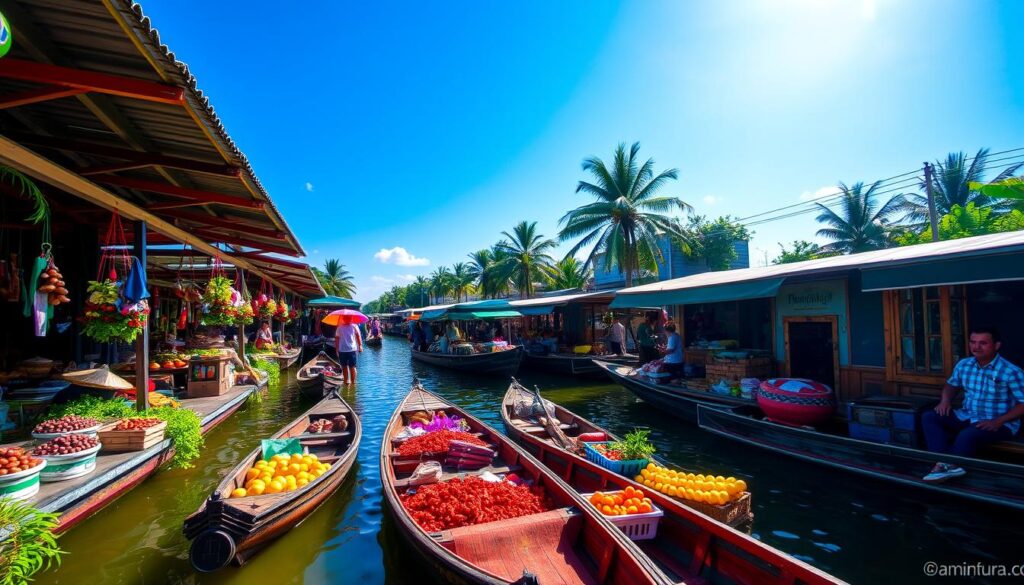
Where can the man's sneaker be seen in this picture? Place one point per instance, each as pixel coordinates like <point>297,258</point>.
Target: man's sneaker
<point>943,471</point>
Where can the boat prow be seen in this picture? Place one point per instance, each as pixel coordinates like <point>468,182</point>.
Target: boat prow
<point>318,377</point>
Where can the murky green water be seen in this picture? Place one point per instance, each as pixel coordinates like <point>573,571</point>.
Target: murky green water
<point>861,530</point>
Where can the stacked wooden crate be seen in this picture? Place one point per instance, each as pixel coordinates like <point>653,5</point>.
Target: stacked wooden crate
<point>734,370</point>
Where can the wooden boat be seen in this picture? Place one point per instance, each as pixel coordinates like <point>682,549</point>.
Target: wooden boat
<point>233,529</point>
<point>288,358</point>
<point>569,544</point>
<point>569,364</point>
<point>674,399</point>
<point>374,341</point>
<point>994,482</point>
<point>499,363</point>
<point>315,379</point>
<point>689,546</point>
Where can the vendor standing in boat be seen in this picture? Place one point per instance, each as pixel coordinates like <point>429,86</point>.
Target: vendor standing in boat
<point>347,342</point>
<point>673,362</point>
<point>617,337</point>
<point>993,401</point>
<point>647,339</point>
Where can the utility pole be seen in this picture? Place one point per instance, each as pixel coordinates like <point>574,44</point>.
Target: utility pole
<point>933,217</point>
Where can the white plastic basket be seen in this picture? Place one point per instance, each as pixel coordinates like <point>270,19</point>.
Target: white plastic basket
<point>636,526</point>
<point>21,485</point>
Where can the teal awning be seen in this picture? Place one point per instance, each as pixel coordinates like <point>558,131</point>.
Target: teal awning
<point>733,291</point>
<point>433,314</point>
<point>469,315</point>
<point>937,272</point>
<point>329,301</point>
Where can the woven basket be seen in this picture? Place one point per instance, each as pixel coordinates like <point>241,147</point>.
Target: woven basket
<point>732,513</point>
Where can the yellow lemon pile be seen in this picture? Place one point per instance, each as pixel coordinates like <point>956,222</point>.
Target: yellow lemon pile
<point>281,473</point>
<point>710,489</point>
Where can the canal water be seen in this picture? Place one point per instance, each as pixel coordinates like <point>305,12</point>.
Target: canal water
<point>861,530</point>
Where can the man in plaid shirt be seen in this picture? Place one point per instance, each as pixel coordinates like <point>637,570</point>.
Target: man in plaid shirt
<point>993,401</point>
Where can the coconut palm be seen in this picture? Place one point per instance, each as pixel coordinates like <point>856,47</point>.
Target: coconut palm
<point>860,224</point>
<point>568,273</point>
<point>419,292</point>
<point>952,185</point>
<point>527,257</point>
<point>479,264</point>
<point>462,280</point>
<point>336,280</point>
<point>498,277</point>
<point>624,222</point>
<point>441,283</point>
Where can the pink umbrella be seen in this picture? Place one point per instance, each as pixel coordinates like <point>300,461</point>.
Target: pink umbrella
<point>344,317</point>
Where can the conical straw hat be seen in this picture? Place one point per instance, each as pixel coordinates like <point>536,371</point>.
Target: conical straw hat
<point>100,377</point>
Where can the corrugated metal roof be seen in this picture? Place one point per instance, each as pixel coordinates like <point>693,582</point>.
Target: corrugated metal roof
<point>989,244</point>
<point>114,37</point>
<point>592,297</point>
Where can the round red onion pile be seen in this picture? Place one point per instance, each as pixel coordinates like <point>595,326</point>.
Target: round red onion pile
<point>65,424</point>
<point>66,445</point>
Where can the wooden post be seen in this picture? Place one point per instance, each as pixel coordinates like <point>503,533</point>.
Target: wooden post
<point>142,341</point>
<point>241,328</point>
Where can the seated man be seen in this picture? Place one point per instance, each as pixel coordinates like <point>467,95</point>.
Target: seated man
<point>993,401</point>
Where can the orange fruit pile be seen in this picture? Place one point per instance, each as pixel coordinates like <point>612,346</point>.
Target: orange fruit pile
<point>710,489</point>
<point>280,473</point>
<point>628,501</point>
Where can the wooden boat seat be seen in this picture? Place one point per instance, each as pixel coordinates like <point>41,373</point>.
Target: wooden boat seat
<point>446,475</point>
<point>541,429</point>
<point>540,543</point>
<point>318,436</point>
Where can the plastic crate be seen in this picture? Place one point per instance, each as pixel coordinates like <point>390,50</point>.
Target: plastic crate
<point>636,526</point>
<point>885,419</point>
<point>628,469</point>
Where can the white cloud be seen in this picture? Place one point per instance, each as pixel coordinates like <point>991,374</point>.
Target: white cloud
<point>821,192</point>
<point>710,199</point>
<point>400,256</point>
<point>309,187</point>
<point>406,277</point>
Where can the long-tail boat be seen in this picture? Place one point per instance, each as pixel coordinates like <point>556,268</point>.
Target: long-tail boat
<point>688,545</point>
<point>568,364</point>
<point>374,341</point>
<point>570,543</point>
<point>288,357</point>
<point>673,399</point>
<point>994,482</point>
<point>227,529</point>
<point>318,377</point>
<point>501,363</point>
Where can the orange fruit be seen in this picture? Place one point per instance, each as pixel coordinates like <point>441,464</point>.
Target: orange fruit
<point>608,501</point>
<point>595,498</point>
<point>648,483</point>
<point>639,479</point>
<point>607,510</point>
<point>301,482</point>
<point>238,493</point>
<point>256,490</point>
<point>628,491</point>
<point>618,499</point>
<point>633,510</point>
<point>639,494</point>
<point>741,485</point>
<point>644,508</point>
<point>252,473</point>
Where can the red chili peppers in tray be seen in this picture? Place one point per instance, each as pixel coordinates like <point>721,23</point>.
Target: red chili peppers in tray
<point>436,442</point>
<point>469,501</point>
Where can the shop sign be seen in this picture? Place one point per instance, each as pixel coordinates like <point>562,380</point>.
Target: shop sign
<point>809,299</point>
<point>6,37</point>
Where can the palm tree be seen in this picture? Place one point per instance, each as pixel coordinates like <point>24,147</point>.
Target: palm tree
<point>528,257</point>
<point>568,273</point>
<point>952,185</point>
<point>625,220</point>
<point>862,224</point>
<point>462,280</point>
<point>498,278</point>
<point>419,291</point>
<point>441,283</point>
<point>479,264</point>
<point>336,280</point>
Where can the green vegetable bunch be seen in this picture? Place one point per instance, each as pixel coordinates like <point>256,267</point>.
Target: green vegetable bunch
<point>27,542</point>
<point>217,306</point>
<point>634,445</point>
<point>270,367</point>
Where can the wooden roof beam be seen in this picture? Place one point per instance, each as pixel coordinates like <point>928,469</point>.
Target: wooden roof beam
<point>41,94</point>
<point>199,196</point>
<point>91,81</point>
<point>220,223</point>
<point>218,237</point>
<point>270,259</point>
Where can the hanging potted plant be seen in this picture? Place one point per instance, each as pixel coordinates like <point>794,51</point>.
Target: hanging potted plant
<point>218,303</point>
<point>281,311</point>
<point>108,316</point>
<point>244,311</point>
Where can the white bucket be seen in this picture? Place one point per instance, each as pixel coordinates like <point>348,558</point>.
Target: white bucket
<point>63,467</point>
<point>22,485</point>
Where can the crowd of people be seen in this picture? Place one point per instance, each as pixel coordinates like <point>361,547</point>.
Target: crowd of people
<point>423,336</point>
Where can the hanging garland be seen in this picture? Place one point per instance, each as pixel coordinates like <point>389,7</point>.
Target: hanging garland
<point>281,312</point>
<point>108,316</point>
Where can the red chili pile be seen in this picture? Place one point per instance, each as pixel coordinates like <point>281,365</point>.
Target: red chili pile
<point>436,442</point>
<point>465,502</point>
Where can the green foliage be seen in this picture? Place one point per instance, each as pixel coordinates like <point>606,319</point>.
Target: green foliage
<point>634,445</point>
<point>183,425</point>
<point>802,250</point>
<point>714,241</point>
<point>964,222</point>
<point>859,223</point>
<point>624,221</point>
<point>335,279</point>
<point>27,542</point>
<point>568,273</point>
<point>28,188</point>
<point>269,367</point>
<point>1012,188</point>
<point>527,257</point>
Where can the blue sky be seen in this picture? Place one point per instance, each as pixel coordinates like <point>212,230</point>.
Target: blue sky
<point>432,127</point>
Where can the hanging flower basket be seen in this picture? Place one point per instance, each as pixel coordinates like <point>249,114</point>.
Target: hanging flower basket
<point>107,318</point>
<point>267,308</point>
<point>244,313</point>
<point>281,311</point>
<point>219,302</point>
